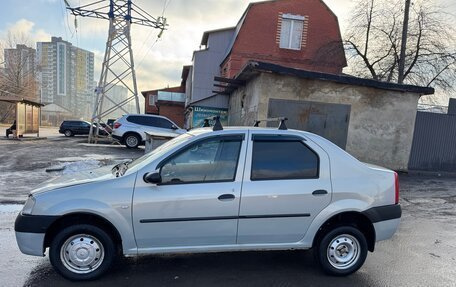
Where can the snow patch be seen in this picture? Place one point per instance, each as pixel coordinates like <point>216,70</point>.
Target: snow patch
<point>78,166</point>
<point>86,157</point>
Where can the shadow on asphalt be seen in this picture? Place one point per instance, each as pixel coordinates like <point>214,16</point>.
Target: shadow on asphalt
<point>275,268</point>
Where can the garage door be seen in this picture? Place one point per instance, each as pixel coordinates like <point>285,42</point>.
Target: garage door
<point>327,120</point>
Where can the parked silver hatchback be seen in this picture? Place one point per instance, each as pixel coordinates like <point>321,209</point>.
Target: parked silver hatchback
<point>225,190</point>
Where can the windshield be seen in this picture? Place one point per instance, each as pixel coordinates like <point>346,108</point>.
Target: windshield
<point>159,151</point>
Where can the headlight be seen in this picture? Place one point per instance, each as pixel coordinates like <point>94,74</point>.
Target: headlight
<point>29,204</point>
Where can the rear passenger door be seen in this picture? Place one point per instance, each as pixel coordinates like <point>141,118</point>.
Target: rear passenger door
<point>286,184</point>
<point>76,126</point>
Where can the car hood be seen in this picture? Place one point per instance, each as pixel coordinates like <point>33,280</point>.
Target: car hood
<point>76,178</point>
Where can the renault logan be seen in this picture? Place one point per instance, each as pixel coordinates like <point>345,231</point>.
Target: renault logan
<point>215,191</point>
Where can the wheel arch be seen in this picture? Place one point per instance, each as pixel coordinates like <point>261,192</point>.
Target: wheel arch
<point>349,218</point>
<point>82,218</point>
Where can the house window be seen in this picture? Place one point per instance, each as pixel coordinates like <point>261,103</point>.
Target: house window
<point>291,31</point>
<point>152,100</point>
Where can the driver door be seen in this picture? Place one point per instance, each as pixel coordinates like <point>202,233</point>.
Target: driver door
<point>197,201</point>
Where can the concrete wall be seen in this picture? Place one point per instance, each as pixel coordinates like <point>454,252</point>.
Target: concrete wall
<point>381,121</point>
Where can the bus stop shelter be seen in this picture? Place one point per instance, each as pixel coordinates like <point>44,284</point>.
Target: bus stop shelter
<point>27,115</point>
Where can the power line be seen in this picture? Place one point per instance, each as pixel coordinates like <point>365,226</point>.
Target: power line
<point>118,65</point>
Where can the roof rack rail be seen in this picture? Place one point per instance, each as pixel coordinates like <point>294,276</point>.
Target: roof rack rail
<point>281,120</point>
<point>217,125</point>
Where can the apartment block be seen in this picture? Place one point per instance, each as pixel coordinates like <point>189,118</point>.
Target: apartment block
<point>66,76</point>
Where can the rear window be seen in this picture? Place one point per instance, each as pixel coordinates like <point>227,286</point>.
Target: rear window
<point>275,160</point>
<point>137,120</point>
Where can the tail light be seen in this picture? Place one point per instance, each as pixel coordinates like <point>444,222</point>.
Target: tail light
<point>117,125</point>
<point>396,187</point>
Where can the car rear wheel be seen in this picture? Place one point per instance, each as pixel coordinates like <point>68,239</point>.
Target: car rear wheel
<point>68,133</point>
<point>132,140</point>
<point>341,251</point>
<point>82,252</point>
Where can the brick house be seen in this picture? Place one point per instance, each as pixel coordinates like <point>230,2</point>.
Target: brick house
<point>167,102</point>
<point>302,34</point>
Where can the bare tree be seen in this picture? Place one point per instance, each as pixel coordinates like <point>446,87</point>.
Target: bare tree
<point>17,76</point>
<point>373,43</point>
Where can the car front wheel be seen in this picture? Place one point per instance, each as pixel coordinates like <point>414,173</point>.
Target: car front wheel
<point>341,251</point>
<point>82,252</point>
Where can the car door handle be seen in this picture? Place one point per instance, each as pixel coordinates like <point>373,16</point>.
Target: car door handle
<point>226,197</point>
<point>319,192</point>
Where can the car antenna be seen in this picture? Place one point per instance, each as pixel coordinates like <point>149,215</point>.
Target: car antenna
<point>281,120</point>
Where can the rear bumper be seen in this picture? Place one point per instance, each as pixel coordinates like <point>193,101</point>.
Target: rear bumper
<point>382,213</point>
<point>385,219</point>
<point>386,229</point>
<point>116,137</point>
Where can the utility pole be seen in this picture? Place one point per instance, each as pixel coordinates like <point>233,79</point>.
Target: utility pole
<point>118,64</point>
<point>400,78</point>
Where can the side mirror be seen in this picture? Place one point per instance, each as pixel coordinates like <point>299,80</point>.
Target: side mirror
<point>174,127</point>
<point>152,177</point>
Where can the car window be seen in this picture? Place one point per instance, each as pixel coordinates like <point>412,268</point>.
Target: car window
<point>151,121</point>
<point>207,161</point>
<point>138,120</point>
<point>164,123</point>
<point>283,160</point>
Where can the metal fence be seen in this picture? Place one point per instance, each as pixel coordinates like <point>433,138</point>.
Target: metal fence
<point>434,143</point>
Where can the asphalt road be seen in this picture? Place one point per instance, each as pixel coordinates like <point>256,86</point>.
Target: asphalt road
<point>23,164</point>
<point>422,252</point>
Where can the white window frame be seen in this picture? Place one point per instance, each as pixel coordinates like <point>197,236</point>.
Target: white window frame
<point>152,100</point>
<point>293,20</point>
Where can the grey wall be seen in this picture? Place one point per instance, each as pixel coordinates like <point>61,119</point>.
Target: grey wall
<point>206,65</point>
<point>381,121</point>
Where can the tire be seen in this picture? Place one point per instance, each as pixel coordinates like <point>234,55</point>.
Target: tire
<point>68,133</point>
<point>341,251</point>
<point>132,140</point>
<point>82,252</point>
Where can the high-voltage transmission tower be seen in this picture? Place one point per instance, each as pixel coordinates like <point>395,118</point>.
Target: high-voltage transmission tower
<point>118,65</point>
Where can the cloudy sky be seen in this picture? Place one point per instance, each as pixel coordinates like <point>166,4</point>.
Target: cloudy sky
<point>158,65</point>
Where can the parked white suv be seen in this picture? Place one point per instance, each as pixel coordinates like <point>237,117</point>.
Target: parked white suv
<point>232,189</point>
<point>131,129</point>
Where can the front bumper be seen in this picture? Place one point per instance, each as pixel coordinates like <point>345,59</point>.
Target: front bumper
<point>30,243</point>
<point>31,231</point>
